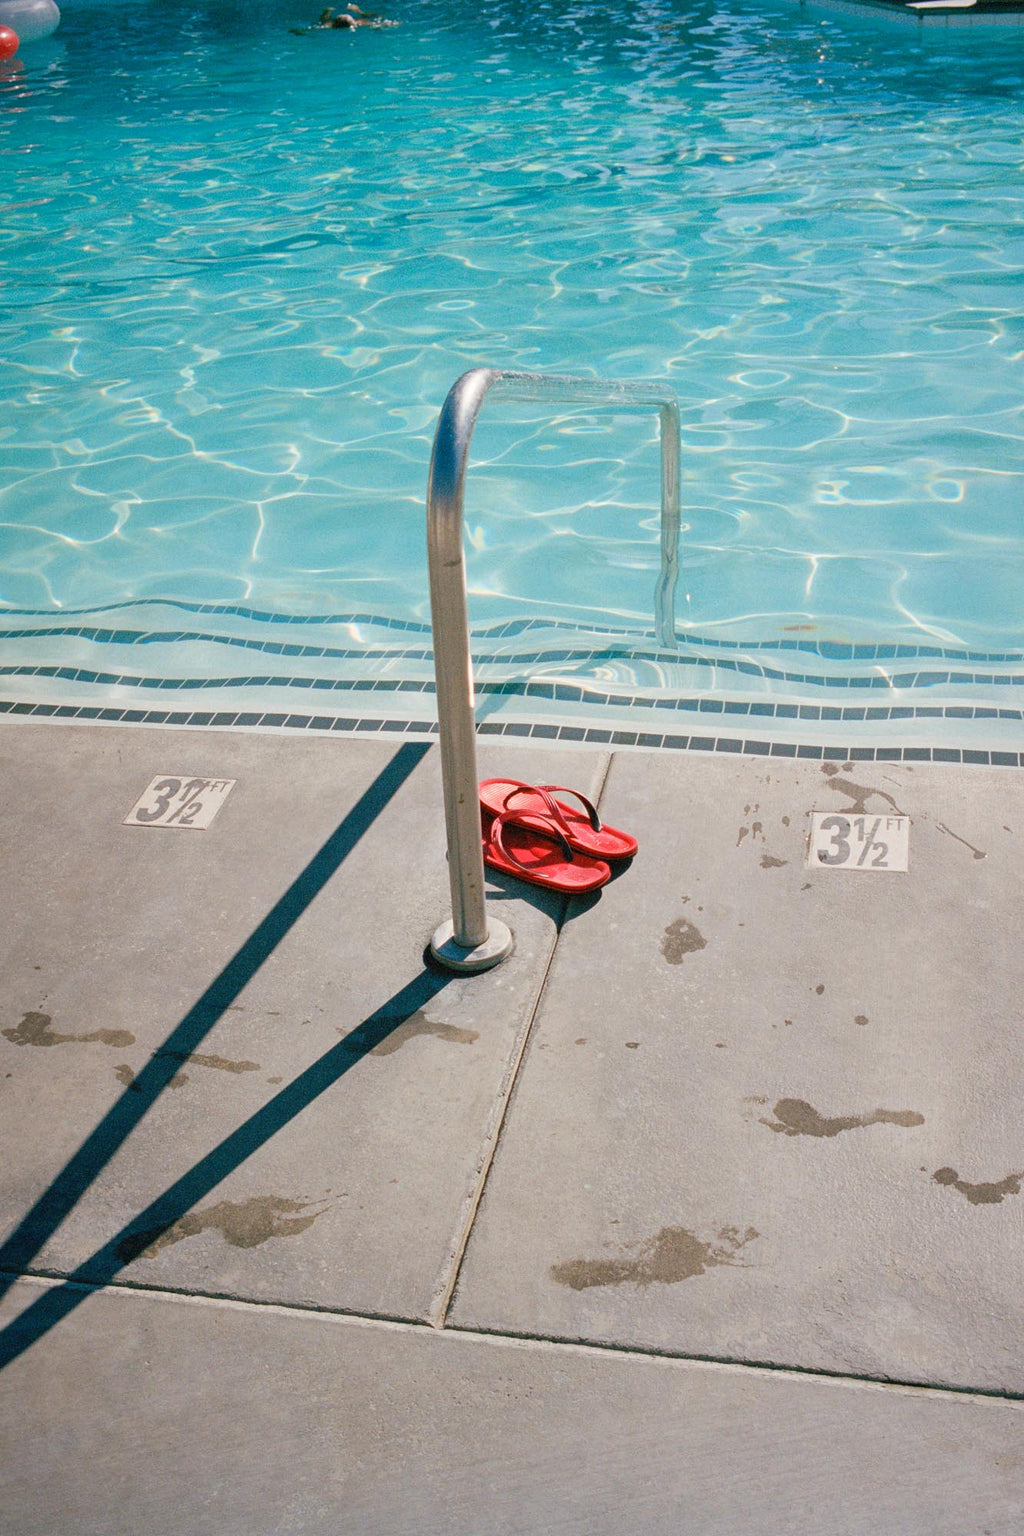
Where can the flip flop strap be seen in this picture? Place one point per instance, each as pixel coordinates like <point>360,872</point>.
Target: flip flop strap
<point>588,806</point>
<point>514,819</point>
<point>554,810</point>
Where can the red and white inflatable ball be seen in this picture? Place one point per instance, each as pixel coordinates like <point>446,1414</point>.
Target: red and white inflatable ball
<point>28,20</point>
<point>8,43</point>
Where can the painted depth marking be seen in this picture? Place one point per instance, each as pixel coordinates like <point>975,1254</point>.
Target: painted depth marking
<point>187,805</point>
<point>859,842</point>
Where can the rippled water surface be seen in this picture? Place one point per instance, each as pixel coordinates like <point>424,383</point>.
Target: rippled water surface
<point>242,267</point>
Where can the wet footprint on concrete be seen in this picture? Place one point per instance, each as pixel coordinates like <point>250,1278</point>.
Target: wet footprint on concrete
<point>979,1194</point>
<point>242,1223</point>
<point>125,1075</point>
<point>382,1036</point>
<point>673,1254</point>
<point>795,1117</point>
<point>37,1029</point>
<point>682,938</point>
<point>215,1063</point>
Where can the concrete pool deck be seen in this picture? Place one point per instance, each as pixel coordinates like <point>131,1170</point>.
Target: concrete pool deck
<point>700,1214</point>
<point>937,13</point>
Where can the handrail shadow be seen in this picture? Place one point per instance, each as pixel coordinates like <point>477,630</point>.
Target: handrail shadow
<point>149,1224</point>
<point>84,1166</point>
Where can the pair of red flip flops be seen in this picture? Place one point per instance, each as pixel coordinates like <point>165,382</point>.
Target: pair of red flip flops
<point>531,832</point>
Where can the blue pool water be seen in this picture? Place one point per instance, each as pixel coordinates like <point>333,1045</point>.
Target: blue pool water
<point>241,269</point>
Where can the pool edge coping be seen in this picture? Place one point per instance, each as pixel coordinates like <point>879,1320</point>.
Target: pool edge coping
<point>363,728</point>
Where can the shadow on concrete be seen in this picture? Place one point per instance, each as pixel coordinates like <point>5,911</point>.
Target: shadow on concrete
<point>81,1171</point>
<point>560,907</point>
<point>145,1228</point>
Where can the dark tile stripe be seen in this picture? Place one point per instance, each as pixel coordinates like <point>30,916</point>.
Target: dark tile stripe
<point>543,731</point>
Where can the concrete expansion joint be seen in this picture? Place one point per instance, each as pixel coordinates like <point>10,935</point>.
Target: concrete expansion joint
<point>438,1313</point>
<point>53,1280</point>
<point>532,1342</point>
<point>735,1364</point>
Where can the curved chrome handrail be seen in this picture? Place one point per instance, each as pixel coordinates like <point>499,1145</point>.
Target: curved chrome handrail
<point>467,942</point>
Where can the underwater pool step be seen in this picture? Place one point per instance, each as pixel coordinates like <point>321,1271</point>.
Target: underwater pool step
<point>222,660</point>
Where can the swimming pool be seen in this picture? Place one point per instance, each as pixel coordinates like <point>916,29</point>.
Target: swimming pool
<point>242,267</point>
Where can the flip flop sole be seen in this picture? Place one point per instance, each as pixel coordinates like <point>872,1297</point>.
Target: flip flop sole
<point>541,861</point>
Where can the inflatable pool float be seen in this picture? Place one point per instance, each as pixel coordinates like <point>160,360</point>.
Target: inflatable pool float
<point>29,19</point>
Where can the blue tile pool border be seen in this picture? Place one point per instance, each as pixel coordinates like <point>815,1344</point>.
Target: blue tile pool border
<point>546,731</point>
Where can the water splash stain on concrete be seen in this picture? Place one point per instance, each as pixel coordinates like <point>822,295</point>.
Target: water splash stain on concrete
<point>673,1254</point>
<point>242,1223</point>
<point>384,1035</point>
<point>940,826</point>
<point>681,938</point>
<point>217,1063</point>
<point>858,794</point>
<point>795,1117</point>
<point>37,1029</point>
<point>979,1194</point>
<point>767,862</point>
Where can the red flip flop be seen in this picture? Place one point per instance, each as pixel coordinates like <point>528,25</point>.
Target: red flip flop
<point>583,831</point>
<point>532,849</point>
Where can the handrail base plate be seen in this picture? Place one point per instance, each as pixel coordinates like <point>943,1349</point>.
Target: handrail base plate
<point>496,947</point>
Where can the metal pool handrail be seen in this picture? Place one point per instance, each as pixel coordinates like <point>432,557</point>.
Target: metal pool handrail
<point>468,942</point>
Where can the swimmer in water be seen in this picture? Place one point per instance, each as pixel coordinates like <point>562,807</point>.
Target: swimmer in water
<point>347,19</point>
